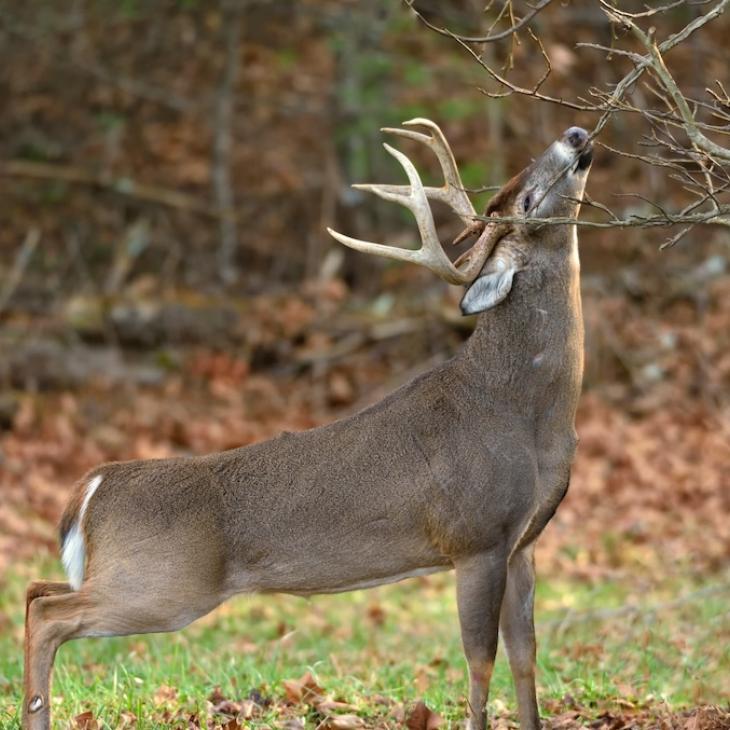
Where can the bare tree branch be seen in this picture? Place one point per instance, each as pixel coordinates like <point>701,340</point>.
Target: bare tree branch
<point>489,37</point>
<point>20,264</point>
<point>680,128</point>
<point>118,184</point>
<point>657,65</point>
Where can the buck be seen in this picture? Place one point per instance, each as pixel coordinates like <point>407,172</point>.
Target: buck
<point>461,468</point>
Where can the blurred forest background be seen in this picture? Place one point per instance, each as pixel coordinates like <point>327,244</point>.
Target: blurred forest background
<point>167,285</point>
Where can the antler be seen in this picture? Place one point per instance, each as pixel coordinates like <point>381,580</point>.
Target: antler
<point>415,197</point>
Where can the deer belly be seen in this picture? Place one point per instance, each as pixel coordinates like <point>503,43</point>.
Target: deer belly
<point>336,562</point>
<point>376,581</point>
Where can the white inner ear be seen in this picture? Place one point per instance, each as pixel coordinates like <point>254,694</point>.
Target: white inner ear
<point>490,288</point>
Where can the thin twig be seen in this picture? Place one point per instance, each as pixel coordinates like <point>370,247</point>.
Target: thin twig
<point>490,37</point>
<point>32,239</point>
<point>698,166</point>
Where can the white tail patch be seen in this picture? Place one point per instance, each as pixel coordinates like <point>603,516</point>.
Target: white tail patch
<point>73,550</point>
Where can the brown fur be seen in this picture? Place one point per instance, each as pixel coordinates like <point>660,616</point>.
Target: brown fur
<point>503,200</point>
<point>462,468</point>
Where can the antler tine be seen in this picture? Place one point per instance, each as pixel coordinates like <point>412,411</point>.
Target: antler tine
<point>452,192</point>
<point>415,197</point>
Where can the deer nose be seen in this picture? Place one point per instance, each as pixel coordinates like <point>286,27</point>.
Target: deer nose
<point>577,137</point>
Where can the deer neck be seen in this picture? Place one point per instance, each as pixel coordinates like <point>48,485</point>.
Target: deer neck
<point>527,352</point>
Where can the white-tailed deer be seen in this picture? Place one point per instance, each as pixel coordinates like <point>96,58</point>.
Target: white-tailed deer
<point>461,468</point>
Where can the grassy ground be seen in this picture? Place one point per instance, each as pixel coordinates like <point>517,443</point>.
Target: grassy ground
<point>611,648</point>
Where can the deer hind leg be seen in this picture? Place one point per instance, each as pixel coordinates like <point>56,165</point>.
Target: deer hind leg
<point>38,589</point>
<point>40,649</point>
<point>518,630</point>
<point>480,582</point>
<point>56,614</point>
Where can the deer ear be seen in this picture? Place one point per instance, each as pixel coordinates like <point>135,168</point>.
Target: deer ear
<point>491,286</point>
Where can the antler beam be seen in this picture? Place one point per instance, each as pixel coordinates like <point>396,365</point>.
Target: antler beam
<point>415,197</point>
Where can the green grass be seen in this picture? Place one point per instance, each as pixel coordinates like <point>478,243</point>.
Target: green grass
<point>597,645</point>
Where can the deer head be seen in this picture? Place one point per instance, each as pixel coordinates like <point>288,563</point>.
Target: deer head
<point>551,187</point>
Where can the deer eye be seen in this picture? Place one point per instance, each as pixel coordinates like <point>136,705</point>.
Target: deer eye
<point>526,203</point>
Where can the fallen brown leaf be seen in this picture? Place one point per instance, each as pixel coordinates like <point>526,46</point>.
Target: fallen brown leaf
<point>227,707</point>
<point>127,719</point>
<point>564,720</point>
<point>376,613</point>
<point>216,696</point>
<point>305,689</point>
<point>422,717</point>
<point>248,708</point>
<point>164,694</point>
<point>86,721</point>
<point>342,722</point>
<point>328,705</point>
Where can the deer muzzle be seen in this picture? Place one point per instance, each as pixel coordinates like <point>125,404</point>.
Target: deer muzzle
<point>577,140</point>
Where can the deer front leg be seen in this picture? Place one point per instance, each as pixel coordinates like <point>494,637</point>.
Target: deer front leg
<point>518,631</point>
<point>480,581</point>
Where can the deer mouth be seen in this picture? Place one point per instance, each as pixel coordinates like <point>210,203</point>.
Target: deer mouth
<point>585,158</point>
